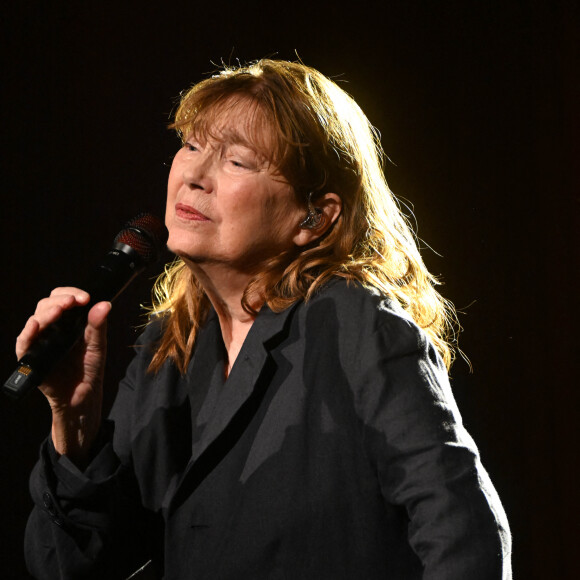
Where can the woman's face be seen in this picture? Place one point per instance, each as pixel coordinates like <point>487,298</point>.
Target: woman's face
<point>225,203</point>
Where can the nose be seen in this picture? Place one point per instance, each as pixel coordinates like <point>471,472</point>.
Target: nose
<point>198,173</point>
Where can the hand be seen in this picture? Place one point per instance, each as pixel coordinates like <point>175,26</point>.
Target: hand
<point>74,387</point>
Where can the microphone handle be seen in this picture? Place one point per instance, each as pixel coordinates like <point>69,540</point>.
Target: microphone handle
<point>117,270</point>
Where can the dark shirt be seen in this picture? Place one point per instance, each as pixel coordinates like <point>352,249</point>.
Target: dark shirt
<point>333,450</point>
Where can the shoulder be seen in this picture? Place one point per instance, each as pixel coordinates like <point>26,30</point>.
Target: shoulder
<point>359,315</point>
<point>355,337</point>
<point>351,296</point>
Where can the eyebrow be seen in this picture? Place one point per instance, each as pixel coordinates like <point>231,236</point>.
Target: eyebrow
<point>234,137</point>
<point>228,135</point>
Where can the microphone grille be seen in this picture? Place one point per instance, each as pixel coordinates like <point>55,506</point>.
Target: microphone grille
<point>146,234</point>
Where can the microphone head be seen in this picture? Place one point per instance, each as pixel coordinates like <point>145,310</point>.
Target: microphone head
<point>146,234</point>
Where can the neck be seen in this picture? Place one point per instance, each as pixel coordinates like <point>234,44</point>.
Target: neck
<point>225,287</point>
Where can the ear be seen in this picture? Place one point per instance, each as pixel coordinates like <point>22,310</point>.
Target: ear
<point>329,206</point>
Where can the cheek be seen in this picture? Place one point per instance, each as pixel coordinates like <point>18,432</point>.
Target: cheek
<point>172,189</point>
<point>243,204</point>
<point>169,204</point>
<point>175,177</point>
<point>172,181</point>
<point>282,208</point>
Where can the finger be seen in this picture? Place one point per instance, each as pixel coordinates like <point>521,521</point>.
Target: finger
<point>98,314</point>
<point>27,336</point>
<point>80,295</point>
<point>57,300</point>
<point>51,308</point>
<point>96,330</point>
<point>65,298</point>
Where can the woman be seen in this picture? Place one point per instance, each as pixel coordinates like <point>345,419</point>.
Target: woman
<point>288,413</point>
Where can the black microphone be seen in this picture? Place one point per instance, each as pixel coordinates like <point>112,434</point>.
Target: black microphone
<point>138,244</point>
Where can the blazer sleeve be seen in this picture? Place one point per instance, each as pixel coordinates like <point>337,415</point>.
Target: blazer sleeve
<point>426,461</point>
<point>90,524</point>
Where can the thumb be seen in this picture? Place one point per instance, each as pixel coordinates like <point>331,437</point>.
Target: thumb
<point>96,330</point>
<point>98,314</point>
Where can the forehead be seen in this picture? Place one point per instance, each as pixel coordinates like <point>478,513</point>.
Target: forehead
<point>236,121</point>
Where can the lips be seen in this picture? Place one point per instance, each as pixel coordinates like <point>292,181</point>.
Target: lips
<point>189,213</point>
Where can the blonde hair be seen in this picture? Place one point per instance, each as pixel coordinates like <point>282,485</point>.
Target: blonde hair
<point>323,142</point>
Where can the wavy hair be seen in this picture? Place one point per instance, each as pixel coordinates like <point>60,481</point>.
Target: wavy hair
<point>322,142</point>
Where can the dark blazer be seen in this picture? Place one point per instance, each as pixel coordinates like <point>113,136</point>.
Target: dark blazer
<point>333,450</point>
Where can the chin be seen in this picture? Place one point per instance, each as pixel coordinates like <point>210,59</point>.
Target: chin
<point>185,252</point>
<point>187,249</point>
<point>183,242</point>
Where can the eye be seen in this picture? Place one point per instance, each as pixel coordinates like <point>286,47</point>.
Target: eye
<point>188,146</point>
<point>240,158</point>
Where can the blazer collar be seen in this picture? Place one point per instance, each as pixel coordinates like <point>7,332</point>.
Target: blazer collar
<point>244,375</point>
<point>236,393</point>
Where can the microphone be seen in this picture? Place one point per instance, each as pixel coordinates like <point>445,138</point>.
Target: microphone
<point>137,245</point>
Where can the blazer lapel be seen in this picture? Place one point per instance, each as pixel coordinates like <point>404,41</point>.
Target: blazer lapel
<point>236,404</point>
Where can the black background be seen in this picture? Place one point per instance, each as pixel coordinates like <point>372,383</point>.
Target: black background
<point>477,104</point>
